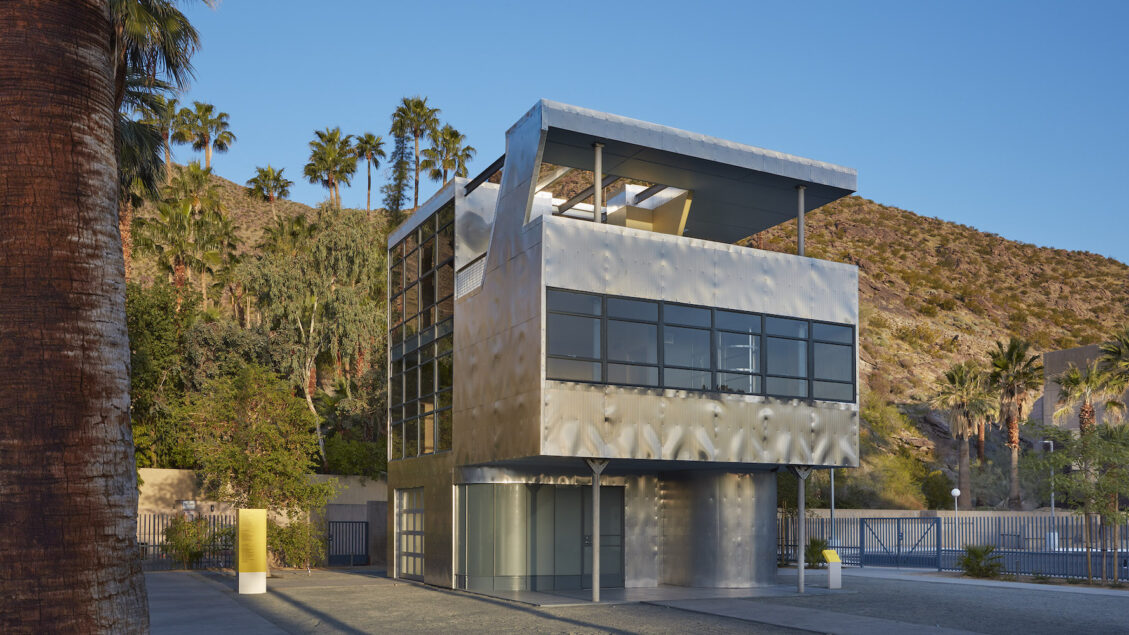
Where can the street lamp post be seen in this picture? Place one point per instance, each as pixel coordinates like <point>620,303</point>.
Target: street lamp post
<point>956,510</point>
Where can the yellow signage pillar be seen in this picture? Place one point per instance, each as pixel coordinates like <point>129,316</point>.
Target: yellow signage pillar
<point>251,550</point>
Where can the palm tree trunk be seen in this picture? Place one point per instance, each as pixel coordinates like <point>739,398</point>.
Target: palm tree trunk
<point>204,288</point>
<point>964,475</point>
<point>979,440</point>
<point>273,212</point>
<point>69,505</point>
<point>125,221</point>
<point>415,200</point>
<point>368,197</point>
<point>208,154</point>
<point>1013,499</point>
<point>168,156</point>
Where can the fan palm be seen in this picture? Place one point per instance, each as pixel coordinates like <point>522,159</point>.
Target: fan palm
<point>1080,388</point>
<point>268,184</point>
<point>170,236</point>
<point>163,118</point>
<point>287,236</point>
<point>1115,359</point>
<point>1014,376</point>
<point>370,147</point>
<point>215,243</point>
<point>448,154</point>
<point>963,391</point>
<point>417,119</point>
<point>333,161</point>
<point>154,39</point>
<point>205,129</point>
<point>195,185</point>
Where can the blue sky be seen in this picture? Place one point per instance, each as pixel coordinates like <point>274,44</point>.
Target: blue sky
<point>1010,117</point>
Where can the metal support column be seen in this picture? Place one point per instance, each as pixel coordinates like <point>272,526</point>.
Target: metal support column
<point>802,474</point>
<point>834,540</point>
<point>597,466</point>
<point>800,218</point>
<point>597,184</point>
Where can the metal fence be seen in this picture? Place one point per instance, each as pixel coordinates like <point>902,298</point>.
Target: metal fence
<point>347,543</point>
<point>1028,545</point>
<point>151,542</point>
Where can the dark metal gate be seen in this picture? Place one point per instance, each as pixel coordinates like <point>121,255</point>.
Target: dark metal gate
<point>348,543</point>
<point>900,542</point>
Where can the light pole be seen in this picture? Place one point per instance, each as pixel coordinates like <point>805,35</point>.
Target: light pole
<point>834,540</point>
<point>956,509</point>
<point>1052,535</point>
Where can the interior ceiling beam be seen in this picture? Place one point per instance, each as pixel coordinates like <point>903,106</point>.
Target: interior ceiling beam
<point>585,193</point>
<point>552,178</point>
<point>648,193</point>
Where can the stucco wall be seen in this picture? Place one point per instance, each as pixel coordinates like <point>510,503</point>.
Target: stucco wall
<point>163,489</point>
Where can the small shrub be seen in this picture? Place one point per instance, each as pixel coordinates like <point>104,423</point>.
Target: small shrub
<point>937,487</point>
<point>186,540</point>
<point>300,543</point>
<point>981,561</point>
<point>813,553</point>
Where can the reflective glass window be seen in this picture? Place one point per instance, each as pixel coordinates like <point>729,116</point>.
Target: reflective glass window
<point>427,256</point>
<point>573,370</point>
<point>411,438</point>
<point>832,333</point>
<point>738,351</point>
<point>573,336</point>
<point>785,327</point>
<point>446,371</point>
<point>427,434</point>
<point>738,382</point>
<point>633,342</point>
<point>686,315</point>
<point>833,361</point>
<point>684,347</point>
<point>786,357</point>
<point>633,309</point>
<point>396,442</point>
<point>688,379</point>
<point>634,375</point>
<point>742,322</point>
<point>784,387</point>
<point>833,391</point>
<point>570,302</point>
<point>445,418</point>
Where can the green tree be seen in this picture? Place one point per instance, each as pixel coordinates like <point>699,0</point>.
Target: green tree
<point>255,443</point>
<point>1115,359</point>
<point>1015,374</point>
<point>268,185</point>
<point>370,147</point>
<point>205,129</point>
<point>416,119</point>
<point>399,174</point>
<point>333,161</point>
<point>963,392</point>
<point>1080,387</point>
<point>163,118</point>
<point>170,236</point>
<point>196,186</point>
<point>448,155</point>
<point>325,297</point>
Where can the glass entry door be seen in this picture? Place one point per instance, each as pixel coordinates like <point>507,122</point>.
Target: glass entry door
<point>611,537</point>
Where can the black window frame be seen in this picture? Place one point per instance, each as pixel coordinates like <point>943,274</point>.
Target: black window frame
<point>758,380</point>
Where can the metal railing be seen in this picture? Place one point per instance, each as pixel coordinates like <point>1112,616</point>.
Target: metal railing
<point>151,542</point>
<point>1028,545</point>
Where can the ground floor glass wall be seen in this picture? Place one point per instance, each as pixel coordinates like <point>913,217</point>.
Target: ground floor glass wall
<point>536,537</point>
<point>409,533</point>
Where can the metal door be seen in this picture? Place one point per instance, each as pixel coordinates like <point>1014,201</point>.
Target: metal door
<point>409,533</point>
<point>900,542</point>
<point>611,537</point>
<point>347,543</point>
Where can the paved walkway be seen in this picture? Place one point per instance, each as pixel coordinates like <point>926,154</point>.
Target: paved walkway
<point>877,601</point>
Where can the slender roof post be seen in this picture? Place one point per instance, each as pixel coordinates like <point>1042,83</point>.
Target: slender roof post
<point>597,184</point>
<point>597,466</point>
<point>800,218</point>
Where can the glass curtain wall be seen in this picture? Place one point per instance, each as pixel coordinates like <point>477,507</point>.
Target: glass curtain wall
<point>420,320</point>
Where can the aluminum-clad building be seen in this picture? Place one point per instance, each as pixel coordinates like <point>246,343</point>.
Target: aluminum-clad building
<point>602,380</point>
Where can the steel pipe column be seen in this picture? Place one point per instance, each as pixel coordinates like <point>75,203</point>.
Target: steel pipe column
<point>802,474</point>
<point>598,184</point>
<point>597,466</point>
<point>800,218</point>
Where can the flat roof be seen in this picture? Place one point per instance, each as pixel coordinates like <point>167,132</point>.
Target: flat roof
<point>738,189</point>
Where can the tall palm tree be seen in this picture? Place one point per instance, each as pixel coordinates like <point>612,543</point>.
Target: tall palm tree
<point>170,235</point>
<point>66,454</point>
<point>333,161</point>
<point>205,129</point>
<point>154,39</point>
<point>163,117</point>
<point>1115,359</point>
<point>1014,376</point>
<point>1080,387</point>
<point>963,391</point>
<point>370,147</point>
<point>194,184</point>
<point>215,243</point>
<point>414,116</point>
<point>268,184</point>
<point>448,154</point>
